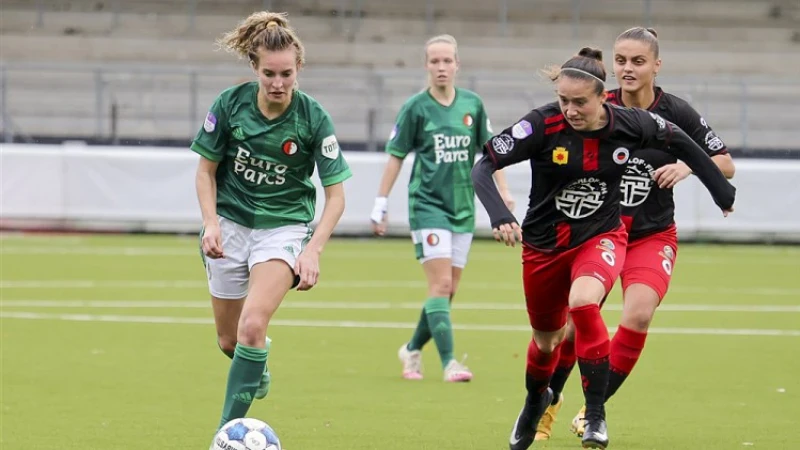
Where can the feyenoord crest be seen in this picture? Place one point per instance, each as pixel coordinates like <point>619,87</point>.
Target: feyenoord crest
<point>433,239</point>
<point>468,121</point>
<point>289,147</point>
<point>560,155</point>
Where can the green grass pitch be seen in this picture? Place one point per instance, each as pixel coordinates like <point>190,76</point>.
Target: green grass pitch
<point>108,343</point>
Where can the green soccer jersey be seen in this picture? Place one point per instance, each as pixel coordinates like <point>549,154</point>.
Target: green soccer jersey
<point>265,166</point>
<point>444,139</point>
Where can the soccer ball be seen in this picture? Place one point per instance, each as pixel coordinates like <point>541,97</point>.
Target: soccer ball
<point>246,434</point>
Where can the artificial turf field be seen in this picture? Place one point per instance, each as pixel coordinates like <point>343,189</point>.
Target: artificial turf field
<point>108,343</point>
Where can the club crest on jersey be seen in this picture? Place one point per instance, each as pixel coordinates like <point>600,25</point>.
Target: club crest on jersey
<point>289,147</point>
<point>210,124</point>
<point>713,142</point>
<point>468,121</point>
<point>560,155</point>
<point>502,144</point>
<point>522,129</point>
<point>433,239</point>
<point>582,198</point>
<point>636,183</point>
<point>621,155</point>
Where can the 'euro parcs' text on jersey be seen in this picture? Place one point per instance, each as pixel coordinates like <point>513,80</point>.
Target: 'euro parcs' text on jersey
<point>445,140</point>
<point>265,166</point>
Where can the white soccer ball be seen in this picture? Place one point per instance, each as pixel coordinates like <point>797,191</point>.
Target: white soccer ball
<point>246,434</point>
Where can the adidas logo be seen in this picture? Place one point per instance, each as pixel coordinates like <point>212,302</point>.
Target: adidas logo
<point>289,249</point>
<point>243,397</point>
<point>441,328</point>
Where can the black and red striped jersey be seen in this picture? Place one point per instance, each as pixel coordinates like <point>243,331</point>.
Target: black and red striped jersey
<point>575,190</point>
<point>646,208</point>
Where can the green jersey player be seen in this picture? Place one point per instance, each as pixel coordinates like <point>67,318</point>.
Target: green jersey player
<point>444,126</point>
<point>259,146</point>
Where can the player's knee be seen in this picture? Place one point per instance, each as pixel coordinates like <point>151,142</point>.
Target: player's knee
<point>227,344</point>
<point>547,341</point>
<point>637,318</point>
<point>442,287</point>
<point>586,291</point>
<point>252,330</point>
<point>640,305</point>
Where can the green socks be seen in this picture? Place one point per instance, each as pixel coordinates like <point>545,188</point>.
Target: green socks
<point>422,334</point>
<point>437,310</point>
<point>243,381</point>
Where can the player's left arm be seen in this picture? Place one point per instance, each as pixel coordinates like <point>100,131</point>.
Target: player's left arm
<point>658,133</point>
<point>698,129</point>
<point>485,133</point>
<point>333,171</point>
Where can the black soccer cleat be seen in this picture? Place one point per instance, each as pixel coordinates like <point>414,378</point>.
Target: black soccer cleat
<point>525,427</point>
<point>595,433</point>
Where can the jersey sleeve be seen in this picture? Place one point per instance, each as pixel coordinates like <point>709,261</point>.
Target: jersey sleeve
<point>485,126</point>
<point>698,129</point>
<point>661,134</point>
<point>401,141</point>
<point>330,161</point>
<point>212,139</point>
<point>517,143</point>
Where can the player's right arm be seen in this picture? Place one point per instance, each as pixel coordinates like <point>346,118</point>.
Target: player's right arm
<point>400,143</point>
<point>513,145</point>
<point>210,143</point>
<point>664,135</point>
<point>701,132</point>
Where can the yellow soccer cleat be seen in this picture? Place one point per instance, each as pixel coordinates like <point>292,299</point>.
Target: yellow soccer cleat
<point>545,428</point>
<point>579,422</point>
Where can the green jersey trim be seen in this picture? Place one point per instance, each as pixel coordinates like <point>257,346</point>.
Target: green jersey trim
<point>201,150</point>
<point>335,179</point>
<point>395,151</point>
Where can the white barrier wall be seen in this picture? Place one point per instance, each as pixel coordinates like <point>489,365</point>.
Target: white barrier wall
<point>152,189</point>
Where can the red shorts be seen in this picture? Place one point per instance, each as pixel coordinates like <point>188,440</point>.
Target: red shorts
<point>547,277</point>
<point>651,260</point>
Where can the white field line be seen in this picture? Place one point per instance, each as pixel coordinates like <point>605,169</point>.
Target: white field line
<point>366,254</point>
<point>325,305</point>
<point>374,325</point>
<point>359,284</point>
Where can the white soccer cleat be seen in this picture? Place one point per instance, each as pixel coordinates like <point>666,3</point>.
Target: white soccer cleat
<point>456,372</point>
<point>412,363</point>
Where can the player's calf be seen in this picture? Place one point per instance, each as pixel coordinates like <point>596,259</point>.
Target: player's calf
<point>266,378</point>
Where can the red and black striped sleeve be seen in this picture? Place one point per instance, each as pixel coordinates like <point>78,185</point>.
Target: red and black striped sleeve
<point>518,142</point>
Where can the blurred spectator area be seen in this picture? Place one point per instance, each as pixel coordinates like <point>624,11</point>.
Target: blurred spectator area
<point>147,69</point>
